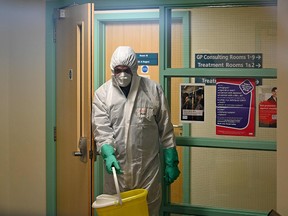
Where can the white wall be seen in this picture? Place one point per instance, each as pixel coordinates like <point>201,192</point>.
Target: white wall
<point>22,110</point>
<point>282,143</point>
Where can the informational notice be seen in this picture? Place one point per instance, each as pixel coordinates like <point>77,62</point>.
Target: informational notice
<point>235,107</point>
<point>212,81</point>
<point>192,102</point>
<point>147,58</point>
<point>230,60</point>
<point>268,106</point>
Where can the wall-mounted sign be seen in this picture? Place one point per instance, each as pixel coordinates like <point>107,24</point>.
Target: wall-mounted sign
<point>212,81</point>
<point>147,58</point>
<point>244,60</point>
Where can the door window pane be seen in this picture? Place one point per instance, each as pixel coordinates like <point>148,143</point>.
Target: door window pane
<point>223,30</point>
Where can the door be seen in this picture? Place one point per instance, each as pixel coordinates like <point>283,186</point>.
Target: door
<point>74,66</point>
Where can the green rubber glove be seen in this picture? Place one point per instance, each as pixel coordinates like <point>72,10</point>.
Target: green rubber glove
<point>108,154</point>
<point>171,165</point>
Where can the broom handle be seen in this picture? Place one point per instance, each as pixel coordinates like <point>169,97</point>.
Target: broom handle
<point>116,185</point>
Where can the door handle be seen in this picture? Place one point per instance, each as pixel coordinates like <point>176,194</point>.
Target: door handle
<point>83,150</point>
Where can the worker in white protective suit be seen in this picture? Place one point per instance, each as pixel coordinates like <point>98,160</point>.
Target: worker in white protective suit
<point>131,122</point>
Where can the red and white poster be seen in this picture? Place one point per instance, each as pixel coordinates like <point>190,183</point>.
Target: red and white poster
<point>268,107</point>
<point>235,107</point>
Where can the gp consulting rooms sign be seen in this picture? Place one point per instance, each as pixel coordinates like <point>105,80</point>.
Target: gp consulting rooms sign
<point>243,60</point>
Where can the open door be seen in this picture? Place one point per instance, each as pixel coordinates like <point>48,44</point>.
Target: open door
<point>74,143</point>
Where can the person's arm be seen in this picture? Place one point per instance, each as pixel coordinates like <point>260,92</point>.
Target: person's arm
<point>101,126</point>
<point>165,127</point>
<point>103,132</point>
<point>167,139</point>
<point>171,165</point>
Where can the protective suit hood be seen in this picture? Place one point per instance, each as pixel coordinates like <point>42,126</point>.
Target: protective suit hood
<point>124,55</point>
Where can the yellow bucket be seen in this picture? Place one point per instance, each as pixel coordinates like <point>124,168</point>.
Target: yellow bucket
<point>127,203</point>
<point>133,203</point>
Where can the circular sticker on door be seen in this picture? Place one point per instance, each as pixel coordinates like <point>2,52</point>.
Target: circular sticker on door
<point>145,69</point>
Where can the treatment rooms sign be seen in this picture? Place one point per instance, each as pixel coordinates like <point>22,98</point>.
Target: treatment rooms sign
<point>248,60</point>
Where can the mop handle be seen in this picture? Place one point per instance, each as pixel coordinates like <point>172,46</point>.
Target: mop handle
<point>116,185</point>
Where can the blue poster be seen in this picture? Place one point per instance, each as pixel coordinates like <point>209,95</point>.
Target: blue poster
<point>235,107</point>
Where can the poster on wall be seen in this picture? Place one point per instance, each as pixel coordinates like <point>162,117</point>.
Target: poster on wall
<point>235,107</point>
<point>268,106</point>
<point>192,102</point>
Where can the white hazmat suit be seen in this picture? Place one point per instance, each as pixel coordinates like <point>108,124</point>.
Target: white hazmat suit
<point>136,126</point>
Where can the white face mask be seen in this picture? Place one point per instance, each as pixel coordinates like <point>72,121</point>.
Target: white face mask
<point>123,79</point>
